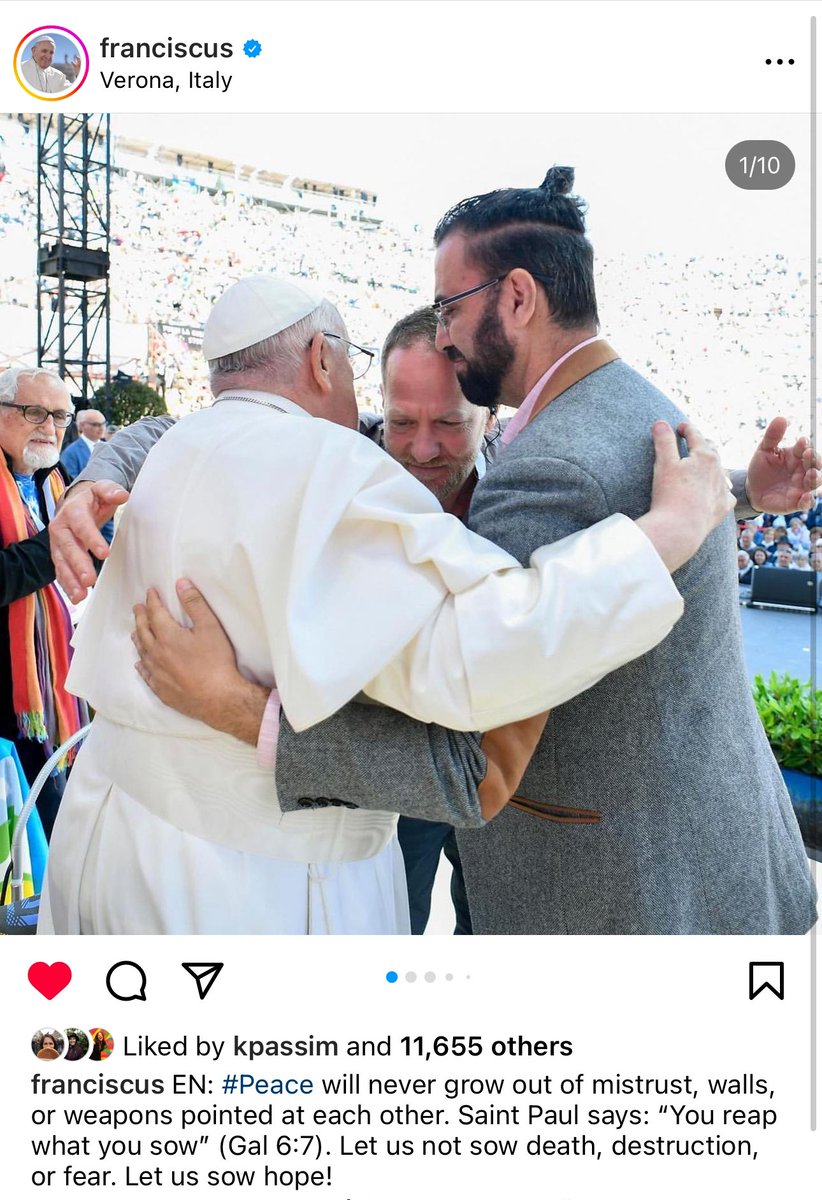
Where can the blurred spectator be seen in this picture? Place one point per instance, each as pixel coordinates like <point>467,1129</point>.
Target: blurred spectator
<point>746,541</point>
<point>798,534</point>
<point>91,425</point>
<point>784,557</point>
<point>769,540</point>
<point>814,516</point>
<point>744,568</point>
<point>816,565</point>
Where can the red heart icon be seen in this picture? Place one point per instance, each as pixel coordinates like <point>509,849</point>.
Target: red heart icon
<point>49,978</point>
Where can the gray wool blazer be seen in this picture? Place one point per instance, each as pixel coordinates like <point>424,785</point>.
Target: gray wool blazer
<point>658,806</point>
<point>653,804</point>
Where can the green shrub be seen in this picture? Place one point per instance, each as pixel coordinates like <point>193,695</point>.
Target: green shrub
<point>790,713</point>
<point>126,402</point>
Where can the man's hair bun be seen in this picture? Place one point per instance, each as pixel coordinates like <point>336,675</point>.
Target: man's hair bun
<point>558,181</point>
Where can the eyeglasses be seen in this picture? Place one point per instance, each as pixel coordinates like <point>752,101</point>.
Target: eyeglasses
<point>358,356</point>
<point>94,425</point>
<point>36,415</point>
<point>439,306</point>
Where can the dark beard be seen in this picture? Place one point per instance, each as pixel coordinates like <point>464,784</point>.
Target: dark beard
<point>481,380</point>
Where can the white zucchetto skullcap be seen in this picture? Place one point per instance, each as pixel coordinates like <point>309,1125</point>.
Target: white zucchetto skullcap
<point>44,39</point>
<point>254,309</point>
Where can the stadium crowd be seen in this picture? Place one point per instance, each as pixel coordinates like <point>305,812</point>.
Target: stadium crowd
<point>721,335</point>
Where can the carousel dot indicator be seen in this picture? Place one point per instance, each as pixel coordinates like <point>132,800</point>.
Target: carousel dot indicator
<point>448,978</point>
<point>411,977</point>
<point>430,977</point>
<point>392,976</point>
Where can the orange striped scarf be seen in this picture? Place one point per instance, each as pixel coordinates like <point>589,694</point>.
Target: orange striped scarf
<point>39,635</point>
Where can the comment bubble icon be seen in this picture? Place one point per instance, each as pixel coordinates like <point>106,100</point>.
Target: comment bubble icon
<point>126,980</point>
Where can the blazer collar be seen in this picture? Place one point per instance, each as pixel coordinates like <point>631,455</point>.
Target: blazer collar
<point>577,367</point>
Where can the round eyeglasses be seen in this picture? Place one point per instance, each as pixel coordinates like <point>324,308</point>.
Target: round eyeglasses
<point>358,356</point>
<point>35,414</point>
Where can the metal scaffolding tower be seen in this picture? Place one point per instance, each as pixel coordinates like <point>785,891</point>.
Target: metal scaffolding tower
<point>73,227</point>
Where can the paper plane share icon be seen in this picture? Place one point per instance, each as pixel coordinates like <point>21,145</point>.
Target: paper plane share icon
<point>204,975</point>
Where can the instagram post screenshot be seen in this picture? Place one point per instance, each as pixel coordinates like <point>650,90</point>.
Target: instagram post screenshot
<point>411,572</point>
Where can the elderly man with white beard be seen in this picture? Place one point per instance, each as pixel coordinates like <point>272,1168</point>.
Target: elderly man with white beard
<point>36,713</point>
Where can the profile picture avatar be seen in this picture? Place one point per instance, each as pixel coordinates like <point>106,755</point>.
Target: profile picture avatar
<point>51,63</point>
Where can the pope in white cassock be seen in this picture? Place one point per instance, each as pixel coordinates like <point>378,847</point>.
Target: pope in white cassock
<point>40,74</point>
<point>332,571</point>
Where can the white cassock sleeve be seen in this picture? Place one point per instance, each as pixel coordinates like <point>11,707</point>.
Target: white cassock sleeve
<point>457,632</point>
<point>332,571</point>
<point>523,641</point>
